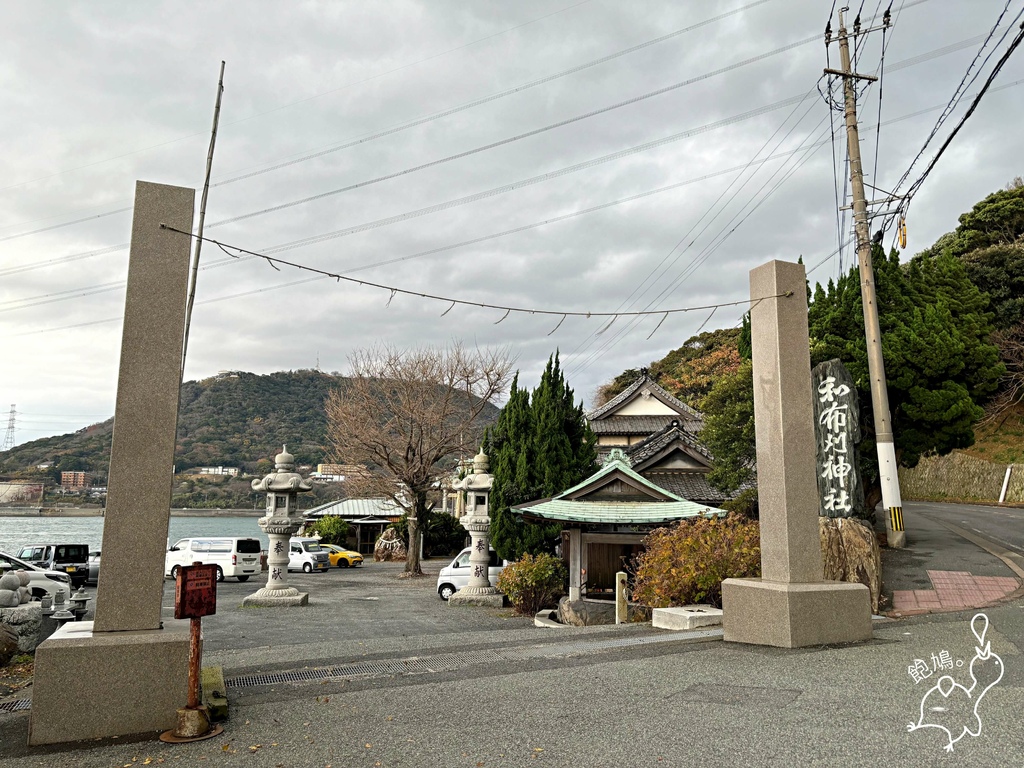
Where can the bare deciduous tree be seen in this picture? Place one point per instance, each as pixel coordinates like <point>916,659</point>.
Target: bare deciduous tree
<point>404,412</point>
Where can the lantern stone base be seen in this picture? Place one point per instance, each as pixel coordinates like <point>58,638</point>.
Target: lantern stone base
<point>266,598</point>
<point>91,685</point>
<point>787,615</point>
<point>485,599</point>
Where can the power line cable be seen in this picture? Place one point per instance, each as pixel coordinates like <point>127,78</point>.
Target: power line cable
<point>276,263</point>
<point>78,292</point>
<point>488,99</point>
<point>517,137</point>
<point>302,101</point>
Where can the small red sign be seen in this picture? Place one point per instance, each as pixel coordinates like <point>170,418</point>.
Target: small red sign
<point>195,593</point>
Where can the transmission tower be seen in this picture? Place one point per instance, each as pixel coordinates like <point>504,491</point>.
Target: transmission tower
<point>9,435</point>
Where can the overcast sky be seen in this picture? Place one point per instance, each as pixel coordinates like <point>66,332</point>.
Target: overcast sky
<point>98,95</point>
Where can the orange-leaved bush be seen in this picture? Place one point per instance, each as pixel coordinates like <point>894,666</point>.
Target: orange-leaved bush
<point>687,563</point>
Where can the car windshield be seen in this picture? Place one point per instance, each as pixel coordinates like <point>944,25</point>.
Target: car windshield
<point>311,546</point>
<point>8,562</point>
<point>71,553</point>
<point>249,546</point>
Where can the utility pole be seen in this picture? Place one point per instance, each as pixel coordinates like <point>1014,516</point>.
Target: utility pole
<point>887,470</point>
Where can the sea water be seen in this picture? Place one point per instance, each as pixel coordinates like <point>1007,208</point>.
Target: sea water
<point>16,532</point>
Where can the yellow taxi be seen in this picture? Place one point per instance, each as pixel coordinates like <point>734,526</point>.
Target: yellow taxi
<point>341,557</point>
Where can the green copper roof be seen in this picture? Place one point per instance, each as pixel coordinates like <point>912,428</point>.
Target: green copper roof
<point>618,462</point>
<point>618,512</point>
<point>615,512</point>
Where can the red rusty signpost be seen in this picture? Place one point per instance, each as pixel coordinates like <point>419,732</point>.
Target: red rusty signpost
<point>195,596</point>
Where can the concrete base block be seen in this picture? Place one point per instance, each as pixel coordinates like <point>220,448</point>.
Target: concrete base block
<point>788,615</point>
<point>261,601</point>
<point>687,617</point>
<point>493,600</point>
<point>95,685</point>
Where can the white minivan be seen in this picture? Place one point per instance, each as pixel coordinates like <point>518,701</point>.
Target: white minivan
<point>455,576</point>
<point>237,557</point>
<point>307,555</point>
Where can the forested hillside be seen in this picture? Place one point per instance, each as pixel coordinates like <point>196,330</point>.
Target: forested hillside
<point>236,419</point>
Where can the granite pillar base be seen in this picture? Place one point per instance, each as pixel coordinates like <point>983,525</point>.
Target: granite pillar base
<point>270,598</point>
<point>92,685</point>
<point>492,599</point>
<point>788,615</point>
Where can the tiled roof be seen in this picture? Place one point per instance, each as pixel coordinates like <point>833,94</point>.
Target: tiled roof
<point>617,462</point>
<point>641,425</point>
<point>693,485</point>
<point>663,438</point>
<point>627,394</point>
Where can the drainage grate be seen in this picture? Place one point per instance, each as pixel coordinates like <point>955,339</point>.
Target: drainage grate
<point>15,706</point>
<point>450,661</point>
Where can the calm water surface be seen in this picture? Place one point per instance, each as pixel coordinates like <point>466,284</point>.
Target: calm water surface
<point>16,532</point>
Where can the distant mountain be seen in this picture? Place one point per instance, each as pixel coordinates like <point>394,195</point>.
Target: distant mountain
<point>234,419</point>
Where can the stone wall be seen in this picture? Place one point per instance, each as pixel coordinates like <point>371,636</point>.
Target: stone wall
<point>959,477</point>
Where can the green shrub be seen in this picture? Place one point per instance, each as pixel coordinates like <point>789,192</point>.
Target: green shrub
<point>331,529</point>
<point>534,582</point>
<point>687,563</point>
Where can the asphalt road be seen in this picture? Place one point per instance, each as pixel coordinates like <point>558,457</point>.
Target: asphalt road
<point>1004,525</point>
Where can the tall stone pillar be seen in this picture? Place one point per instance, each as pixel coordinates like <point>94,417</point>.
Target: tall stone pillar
<point>129,649</point>
<point>280,523</point>
<point>790,605</point>
<point>477,520</point>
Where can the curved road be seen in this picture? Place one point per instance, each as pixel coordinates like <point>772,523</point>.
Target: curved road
<point>1004,525</point>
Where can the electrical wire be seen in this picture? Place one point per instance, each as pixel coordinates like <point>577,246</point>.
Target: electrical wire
<point>517,137</point>
<point>78,292</point>
<point>276,263</point>
<point>308,98</point>
<point>488,99</point>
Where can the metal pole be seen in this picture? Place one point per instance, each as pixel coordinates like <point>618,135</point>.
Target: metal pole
<point>202,218</point>
<point>195,655</point>
<point>887,470</point>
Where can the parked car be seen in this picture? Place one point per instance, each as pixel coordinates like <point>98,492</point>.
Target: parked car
<point>455,575</point>
<point>72,559</point>
<point>40,581</point>
<point>307,555</point>
<point>94,567</point>
<point>341,557</point>
<point>238,557</point>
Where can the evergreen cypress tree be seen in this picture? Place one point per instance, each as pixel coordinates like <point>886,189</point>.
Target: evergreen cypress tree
<point>540,446</point>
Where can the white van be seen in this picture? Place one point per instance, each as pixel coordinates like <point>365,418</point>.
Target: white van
<point>307,555</point>
<point>237,557</point>
<point>455,576</point>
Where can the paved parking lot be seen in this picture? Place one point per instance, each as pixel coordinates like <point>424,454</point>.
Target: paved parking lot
<point>367,603</point>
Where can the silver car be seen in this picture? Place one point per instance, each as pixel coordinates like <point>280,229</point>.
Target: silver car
<point>40,582</point>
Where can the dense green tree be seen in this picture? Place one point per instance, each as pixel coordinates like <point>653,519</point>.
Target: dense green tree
<point>728,431</point>
<point>990,243</point>
<point>940,365</point>
<point>541,445</point>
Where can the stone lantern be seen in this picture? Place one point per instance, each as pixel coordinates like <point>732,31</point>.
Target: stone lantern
<point>280,523</point>
<point>477,520</point>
